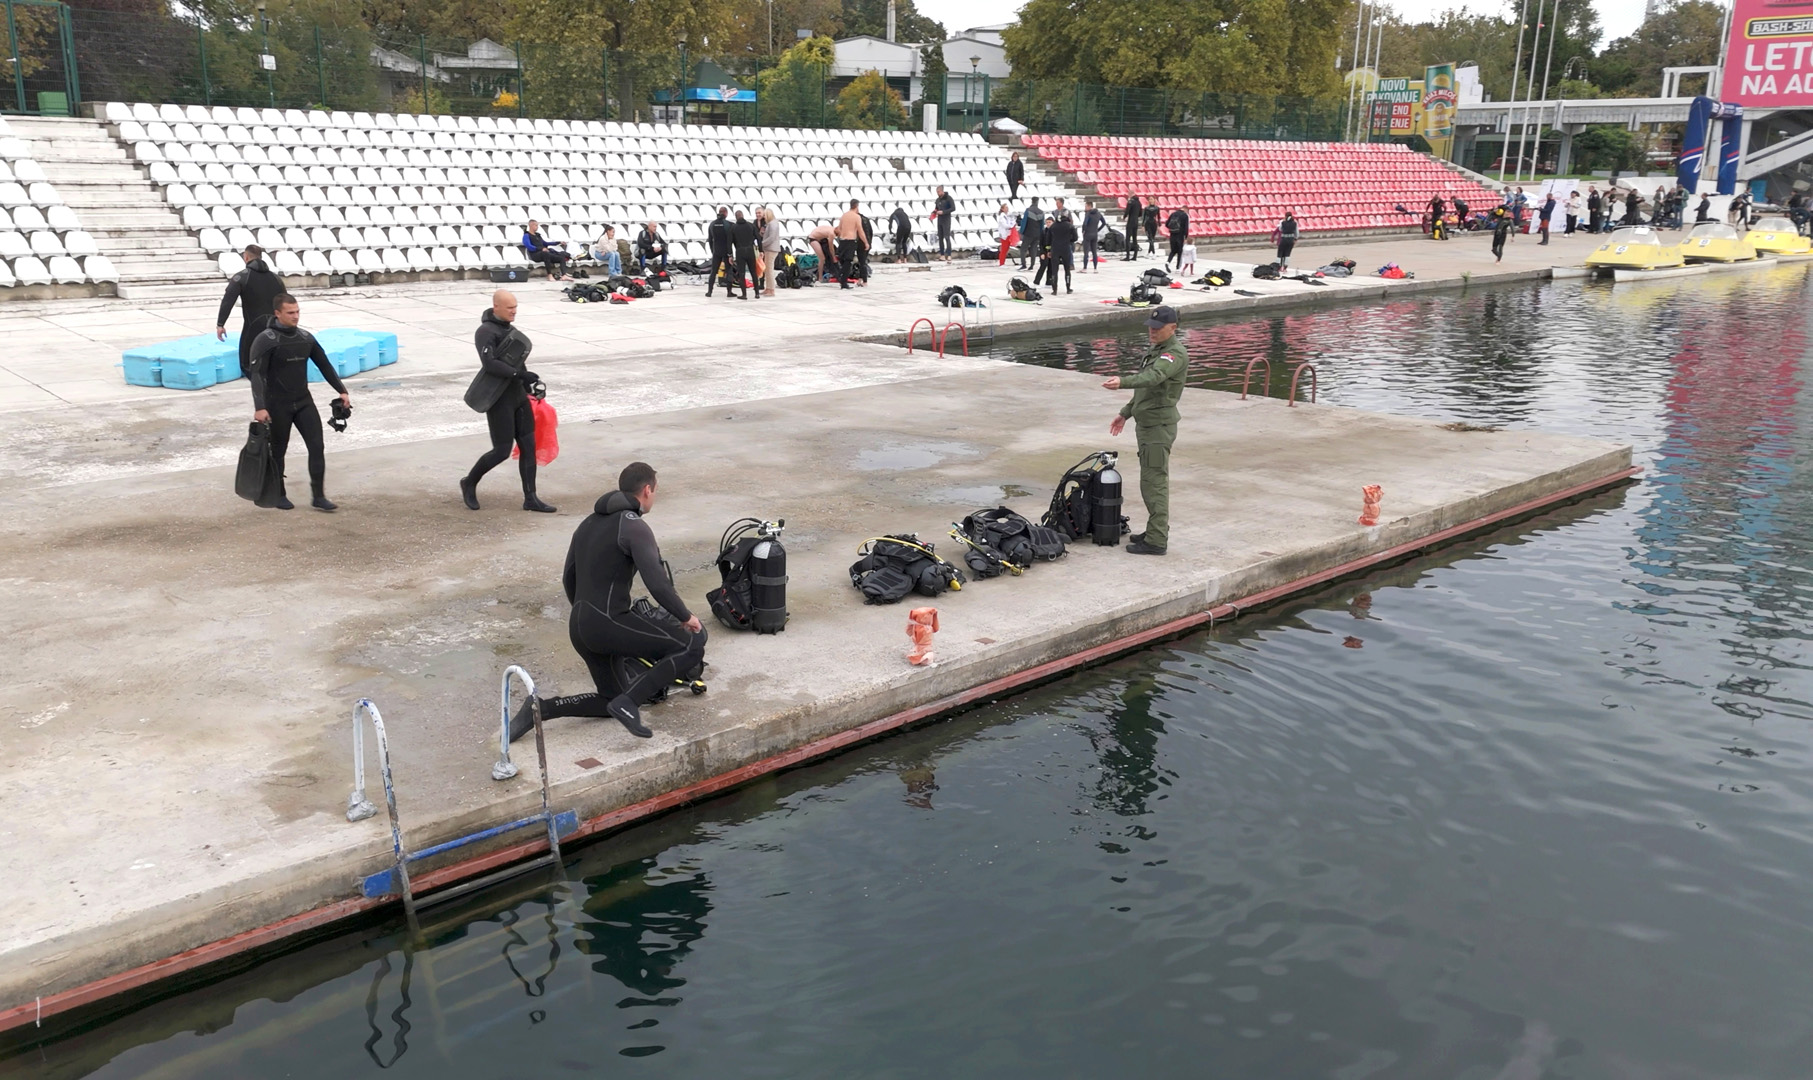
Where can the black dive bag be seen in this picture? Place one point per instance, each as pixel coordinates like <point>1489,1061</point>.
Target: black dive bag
<point>752,566</point>
<point>1087,502</point>
<point>890,567</point>
<point>999,540</point>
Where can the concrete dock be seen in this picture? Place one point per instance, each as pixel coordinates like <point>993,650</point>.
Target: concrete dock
<point>175,711</point>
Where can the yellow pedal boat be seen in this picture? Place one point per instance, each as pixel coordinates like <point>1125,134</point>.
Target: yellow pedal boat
<point>1635,247</point>
<point>1778,236</point>
<point>1715,241</point>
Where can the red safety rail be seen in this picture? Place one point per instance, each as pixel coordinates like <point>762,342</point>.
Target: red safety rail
<point>1247,380</point>
<point>1240,187</point>
<point>930,327</point>
<point>1297,373</point>
<point>944,334</point>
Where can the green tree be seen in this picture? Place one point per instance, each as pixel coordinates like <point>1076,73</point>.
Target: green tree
<point>932,82</point>
<point>1489,40</point>
<point>1229,46</point>
<point>1679,33</point>
<point>1607,146</point>
<point>792,92</point>
<point>869,103</point>
<point>871,17</point>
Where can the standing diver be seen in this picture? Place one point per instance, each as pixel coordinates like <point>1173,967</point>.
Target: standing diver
<point>278,372</point>
<point>1156,386</point>
<point>501,392</point>
<point>254,288</point>
<point>610,547</point>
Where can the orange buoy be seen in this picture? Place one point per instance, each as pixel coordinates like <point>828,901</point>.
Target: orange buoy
<point>1369,505</point>
<point>922,623</point>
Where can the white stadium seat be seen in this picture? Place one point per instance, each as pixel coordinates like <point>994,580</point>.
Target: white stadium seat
<point>31,271</point>
<point>286,262</point>
<point>99,268</point>
<point>66,271</point>
<point>14,245</point>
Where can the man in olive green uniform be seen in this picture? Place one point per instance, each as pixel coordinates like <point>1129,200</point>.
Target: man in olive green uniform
<point>1156,387</point>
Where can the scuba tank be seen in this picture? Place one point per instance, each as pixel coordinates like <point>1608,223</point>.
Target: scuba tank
<point>768,579</point>
<point>1105,501</point>
<point>752,568</point>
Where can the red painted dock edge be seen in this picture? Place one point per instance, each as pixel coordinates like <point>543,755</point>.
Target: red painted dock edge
<point>99,990</point>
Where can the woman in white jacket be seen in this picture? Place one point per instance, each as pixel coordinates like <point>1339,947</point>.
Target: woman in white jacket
<point>1005,223</point>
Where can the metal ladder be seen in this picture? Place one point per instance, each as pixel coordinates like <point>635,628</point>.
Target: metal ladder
<point>395,879</point>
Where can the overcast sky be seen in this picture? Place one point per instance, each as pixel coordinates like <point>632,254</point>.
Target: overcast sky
<point>1618,17</point>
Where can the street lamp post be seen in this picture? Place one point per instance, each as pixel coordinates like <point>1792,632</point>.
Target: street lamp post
<point>683,79</point>
<point>975,62</point>
<point>265,60</point>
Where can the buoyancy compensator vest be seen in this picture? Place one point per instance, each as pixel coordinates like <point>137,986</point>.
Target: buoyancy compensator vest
<point>752,566</point>
<point>1087,502</point>
<point>890,567</point>
<point>1000,540</point>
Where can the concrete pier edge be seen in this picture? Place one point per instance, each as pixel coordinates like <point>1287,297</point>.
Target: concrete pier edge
<point>96,999</point>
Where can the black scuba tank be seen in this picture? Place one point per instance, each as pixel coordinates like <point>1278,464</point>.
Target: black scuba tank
<point>768,582</point>
<point>1105,502</point>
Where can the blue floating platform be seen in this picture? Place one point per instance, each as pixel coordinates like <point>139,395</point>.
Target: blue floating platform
<point>192,363</point>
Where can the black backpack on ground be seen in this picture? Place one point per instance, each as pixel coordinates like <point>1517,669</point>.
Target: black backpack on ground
<point>752,567</point>
<point>953,296</point>
<point>1114,240</point>
<point>1266,271</point>
<point>1142,294</point>
<point>1156,277</point>
<point>890,567</point>
<point>1216,277</point>
<point>1000,540</point>
<point>586,294</point>
<point>1070,514</point>
<point>1018,289</point>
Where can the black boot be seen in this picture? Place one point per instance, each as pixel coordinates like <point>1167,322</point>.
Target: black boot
<point>321,503</point>
<point>469,492</point>
<point>532,502</point>
<point>522,721</point>
<point>630,717</point>
<point>283,503</point>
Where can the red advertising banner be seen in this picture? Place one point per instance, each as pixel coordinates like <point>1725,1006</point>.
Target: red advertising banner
<point>1769,58</point>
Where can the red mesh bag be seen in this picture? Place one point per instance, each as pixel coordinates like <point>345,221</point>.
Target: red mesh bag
<point>547,438</point>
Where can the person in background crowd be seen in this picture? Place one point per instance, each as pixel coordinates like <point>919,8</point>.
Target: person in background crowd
<point>717,236</point>
<point>903,230</point>
<point>1520,205</point>
<point>1177,228</point>
<point>744,237</point>
<point>1740,210</point>
<point>1544,216</point>
<point>1633,208</point>
<point>1016,175</point>
<point>1437,207</point>
<point>1287,239</point>
<point>1659,207</point>
<point>823,241</point>
<point>1461,211</point>
<point>651,245</point>
<point>539,249</point>
<point>502,388</point>
<point>1061,240</point>
<point>1093,224</point>
<point>1573,212</point>
<point>1703,212</point>
<point>1032,228</point>
<point>254,289</point>
<point>943,209</point>
<point>771,246</point>
<point>1136,213</point>
<point>1005,225</point>
<point>1595,209</point>
<point>868,244</point>
<point>849,239</point>
<point>1151,220</point>
<point>1503,221</point>
<point>605,253</point>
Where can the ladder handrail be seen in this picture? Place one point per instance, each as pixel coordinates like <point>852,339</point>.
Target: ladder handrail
<point>930,326</point>
<point>398,854</point>
<point>505,768</point>
<point>944,336</point>
<point>1247,379</point>
<point>1296,374</point>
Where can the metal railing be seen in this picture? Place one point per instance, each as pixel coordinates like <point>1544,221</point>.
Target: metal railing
<point>395,879</point>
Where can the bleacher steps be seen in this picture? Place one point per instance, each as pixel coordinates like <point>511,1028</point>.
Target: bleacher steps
<point>118,204</point>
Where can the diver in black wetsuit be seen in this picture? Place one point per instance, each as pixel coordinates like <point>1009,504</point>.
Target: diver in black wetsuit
<point>278,372</point>
<point>253,289</point>
<point>610,547</point>
<point>504,381</point>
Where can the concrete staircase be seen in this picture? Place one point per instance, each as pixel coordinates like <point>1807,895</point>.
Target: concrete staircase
<point>120,207</point>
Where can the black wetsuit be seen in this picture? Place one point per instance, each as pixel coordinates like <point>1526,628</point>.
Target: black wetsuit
<point>717,234</point>
<point>1151,223</point>
<point>510,417</point>
<point>903,230</point>
<point>1016,175</point>
<point>945,206</point>
<point>1177,226</point>
<point>1093,223</point>
<point>1060,240</point>
<point>610,547</point>
<point>1032,226</point>
<point>1135,214</point>
<point>278,372</point>
<point>743,240</point>
<point>255,289</point>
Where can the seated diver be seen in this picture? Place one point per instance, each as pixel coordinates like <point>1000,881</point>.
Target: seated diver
<point>610,547</point>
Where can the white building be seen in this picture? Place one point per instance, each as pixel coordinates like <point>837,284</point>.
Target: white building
<point>971,53</point>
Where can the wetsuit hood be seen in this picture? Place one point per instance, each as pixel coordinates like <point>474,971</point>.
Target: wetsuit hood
<point>613,502</point>
<point>491,317</point>
<point>281,330</point>
<point>258,266</point>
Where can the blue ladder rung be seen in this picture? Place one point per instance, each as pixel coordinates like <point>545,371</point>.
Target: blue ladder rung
<point>383,883</point>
